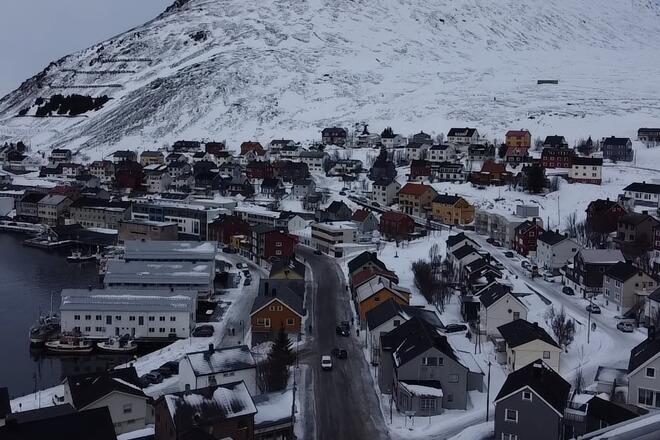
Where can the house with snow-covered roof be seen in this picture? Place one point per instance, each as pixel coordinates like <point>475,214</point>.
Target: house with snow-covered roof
<point>526,342</point>
<point>218,366</point>
<point>498,306</point>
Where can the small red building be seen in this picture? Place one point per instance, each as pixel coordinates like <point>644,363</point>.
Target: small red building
<point>517,154</point>
<point>603,215</point>
<point>248,146</point>
<point>525,236</point>
<point>557,157</point>
<point>419,170</point>
<point>128,175</point>
<point>259,170</point>
<point>227,226</point>
<point>491,173</point>
<point>396,225</point>
<point>215,147</point>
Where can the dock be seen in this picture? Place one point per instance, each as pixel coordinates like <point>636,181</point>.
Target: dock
<point>21,227</point>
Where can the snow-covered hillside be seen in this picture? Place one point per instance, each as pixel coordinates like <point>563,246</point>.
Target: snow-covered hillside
<point>235,70</point>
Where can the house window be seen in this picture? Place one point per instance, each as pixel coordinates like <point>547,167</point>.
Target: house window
<point>88,317</point>
<point>128,408</point>
<point>161,318</point>
<point>511,415</point>
<point>161,330</point>
<point>506,436</point>
<point>88,329</point>
<point>289,321</point>
<point>152,330</point>
<point>98,317</point>
<point>396,323</point>
<point>647,397</point>
<point>453,378</point>
<point>212,381</point>
<point>131,318</point>
<point>650,372</point>
<point>172,330</point>
<point>152,318</point>
<point>430,361</point>
<point>172,318</point>
<point>516,315</point>
<point>376,298</point>
<point>527,395</point>
<point>76,317</point>
<point>428,404</point>
<point>546,355</point>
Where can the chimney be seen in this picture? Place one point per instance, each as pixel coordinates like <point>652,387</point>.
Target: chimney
<point>211,348</point>
<point>266,289</point>
<point>645,212</point>
<point>273,293</point>
<point>557,231</point>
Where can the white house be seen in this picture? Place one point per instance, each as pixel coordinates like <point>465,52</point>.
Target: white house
<point>384,191</point>
<point>554,250</point>
<point>328,237</point>
<point>442,153</point>
<point>586,170</point>
<point>297,223</point>
<point>219,366</point>
<point>314,160</point>
<point>526,342</point>
<point>498,307</point>
<point>463,136</point>
<point>417,151</point>
<point>644,194</point>
<point>150,314</point>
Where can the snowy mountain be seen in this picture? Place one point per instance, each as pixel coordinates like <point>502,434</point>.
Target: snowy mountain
<point>239,70</point>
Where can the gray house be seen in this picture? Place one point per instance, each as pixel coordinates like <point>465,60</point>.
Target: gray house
<point>422,370</point>
<point>531,404</point>
<point>626,287</point>
<point>644,373</point>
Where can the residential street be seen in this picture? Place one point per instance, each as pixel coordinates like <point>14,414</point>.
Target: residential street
<point>344,404</point>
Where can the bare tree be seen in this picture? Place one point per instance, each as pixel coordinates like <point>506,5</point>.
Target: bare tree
<point>562,327</point>
<point>578,381</point>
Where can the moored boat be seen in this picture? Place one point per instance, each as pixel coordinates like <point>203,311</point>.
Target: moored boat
<point>46,327</point>
<point>118,345</point>
<point>69,344</point>
<point>78,257</point>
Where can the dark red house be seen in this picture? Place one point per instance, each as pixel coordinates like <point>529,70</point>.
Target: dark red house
<point>561,157</point>
<point>603,215</point>
<point>492,173</point>
<point>259,170</point>
<point>279,245</point>
<point>215,147</point>
<point>396,225</point>
<point>525,236</point>
<point>419,170</point>
<point>227,226</point>
<point>128,175</point>
<point>248,146</point>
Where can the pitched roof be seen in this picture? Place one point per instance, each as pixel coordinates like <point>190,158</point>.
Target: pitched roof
<point>594,161</point>
<point>364,258</point>
<point>469,132</point>
<point>622,271</point>
<point>643,352</point>
<point>447,199</point>
<point>47,412</point>
<point>494,293</point>
<point>552,237</point>
<point>207,406</point>
<point>520,331</point>
<point>220,360</point>
<point>390,308</point>
<point>492,167</point>
<point>644,187</point>
<point>463,251</point>
<point>83,425</point>
<point>517,133</point>
<point>555,140</point>
<point>282,294</point>
<point>336,205</point>
<point>88,388</point>
<point>543,380</point>
<point>414,189</point>
<point>360,215</point>
<point>636,218</point>
<point>5,407</point>
<point>601,256</point>
<point>457,238</point>
<point>609,412</point>
<point>655,295</point>
<point>413,338</point>
<point>378,283</point>
<point>615,141</point>
<point>394,216</point>
<point>365,275</point>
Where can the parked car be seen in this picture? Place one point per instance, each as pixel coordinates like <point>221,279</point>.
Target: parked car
<point>339,353</point>
<point>376,204</point>
<point>173,366</point>
<point>247,281</point>
<point>593,308</point>
<point>508,254</point>
<point>153,377</point>
<point>626,326</point>
<point>247,274</point>
<point>342,193</point>
<point>228,250</point>
<point>496,243</point>
<point>326,363</point>
<point>525,264</point>
<point>343,330</point>
<point>143,381</point>
<point>163,371</point>
<point>490,240</point>
<point>453,328</point>
<point>241,266</point>
<point>567,290</point>
<point>203,331</point>
<point>317,252</point>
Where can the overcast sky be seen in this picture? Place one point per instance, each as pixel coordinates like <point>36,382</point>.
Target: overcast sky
<point>35,32</point>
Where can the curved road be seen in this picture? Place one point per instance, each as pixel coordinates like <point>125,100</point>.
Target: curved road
<point>342,403</point>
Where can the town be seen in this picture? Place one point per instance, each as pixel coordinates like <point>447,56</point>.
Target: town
<point>354,286</point>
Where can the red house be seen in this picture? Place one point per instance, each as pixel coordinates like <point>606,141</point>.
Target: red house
<point>525,236</point>
<point>419,170</point>
<point>396,225</point>
<point>491,173</point>
<point>557,157</point>
<point>246,147</point>
<point>259,170</point>
<point>603,215</point>
<point>270,244</point>
<point>515,155</point>
<point>128,175</point>
<point>227,226</point>
<point>215,147</point>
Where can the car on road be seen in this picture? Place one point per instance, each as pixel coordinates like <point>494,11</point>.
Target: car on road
<point>317,252</point>
<point>593,308</point>
<point>153,377</point>
<point>173,366</point>
<point>496,243</point>
<point>490,240</point>
<point>525,264</point>
<point>508,254</point>
<point>376,204</point>
<point>339,353</point>
<point>326,363</point>
<point>241,266</point>
<point>626,326</point>
<point>453,328</point>
<point>247,274</point>
<point>228,250</point>
<point>567,290</point>
<point>342,193</point>
<point>203,331</point>
<point>247,281</point>
<point>343,330</point>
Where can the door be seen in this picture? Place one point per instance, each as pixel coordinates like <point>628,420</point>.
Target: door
<point>108,319</point>
<point>141,320</point>
<point>116,331</point>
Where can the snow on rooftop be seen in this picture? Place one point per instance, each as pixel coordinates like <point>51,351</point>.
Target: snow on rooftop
<point>273,407</point>
<point>421,390</point>
<point>220,360</point>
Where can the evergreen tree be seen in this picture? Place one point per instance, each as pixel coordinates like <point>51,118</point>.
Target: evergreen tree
<point>501,151</point>
<point>280,358</point>
<point>535,179</point>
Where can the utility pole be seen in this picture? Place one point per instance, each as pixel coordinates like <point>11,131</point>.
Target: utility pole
<point>488,393</point>
<point>591,301</point>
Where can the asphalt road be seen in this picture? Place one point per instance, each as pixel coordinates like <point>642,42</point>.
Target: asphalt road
<point>340,404</point>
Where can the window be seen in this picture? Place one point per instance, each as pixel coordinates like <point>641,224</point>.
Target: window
<point>453,378</point>
<point>645,397</point>
<point>650,372</point>
<point>131,318</point>
<point>511,415</point>
<point>88,329</point>
<point>289,321</point>
<point>212,381</point>
<point>527,395</point>
<point>546,355</point>
<point>506,436</point>
<point>76,317</point>
<point>128,408</point>
<point>172,330</point>
<point>376,298</point>
<point>397,322</point>
<point>172,318</point>
<point>161,318</point>
<point>98,317</point>
<point>428,404</point>
<point>118,318</point>
<point>450,397</point>
<point>88,317</point>
<point>228,374</point>
<point>430,361</point>
<point>152,318</point>
<point>152,330</point>
<point>516,315</point>
<point>161,330</point>
<point>98,329</point>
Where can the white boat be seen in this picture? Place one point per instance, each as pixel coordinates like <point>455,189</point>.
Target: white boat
<point>78,257</point>
<point>69,344</point>
<point>44,329</point>
<point>118,345</point>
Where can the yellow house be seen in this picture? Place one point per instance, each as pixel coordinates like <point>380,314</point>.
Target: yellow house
<point>378,290</point>
<point>415,199</point>
<point>452,210</point>
<point>518,138</point>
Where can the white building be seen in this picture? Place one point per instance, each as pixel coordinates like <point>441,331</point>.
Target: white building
<point>328,237</point>
<point>159,275</point>
<point>526,342</point>
<point>554,250</point>
<point>586,170</point>
<point>297,223</point>
<point>463,136</point>
<point>384,191</point>
<point>156,178</point>
<point>150,314</point>
<point>442,153</point>
<point>219,366</point>
<point>644,194</point>
<point>314,160</point>
<point>417,151</point>
<point>498,307</point>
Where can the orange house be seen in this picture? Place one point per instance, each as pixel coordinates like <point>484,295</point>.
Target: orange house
<point>281,308</point>
<point>518,138</point>
<point>378,290</point>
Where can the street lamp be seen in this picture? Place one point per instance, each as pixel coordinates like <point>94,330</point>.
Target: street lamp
<point>488,393</point>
